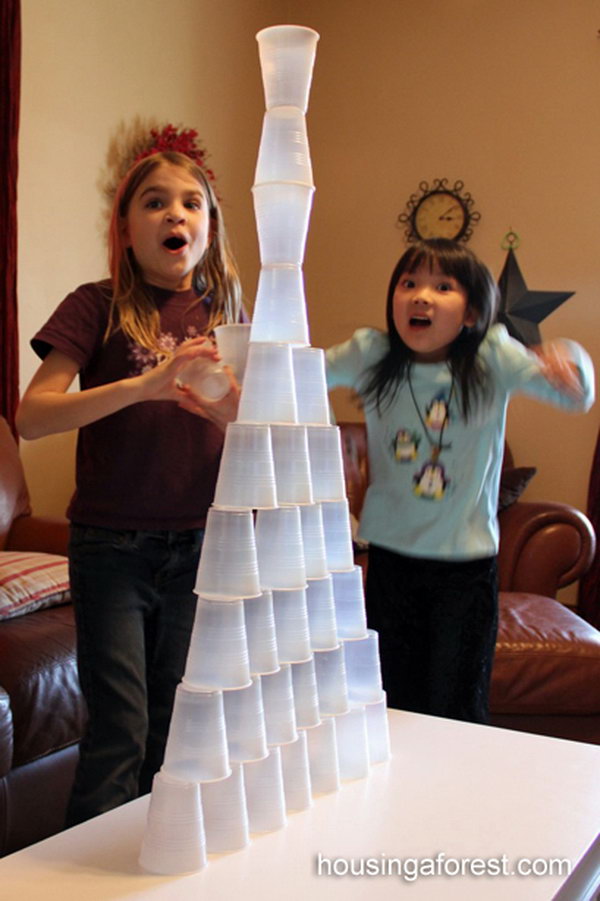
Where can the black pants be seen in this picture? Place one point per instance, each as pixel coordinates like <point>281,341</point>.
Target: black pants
<point>437,624</point>
<point>134,608</point>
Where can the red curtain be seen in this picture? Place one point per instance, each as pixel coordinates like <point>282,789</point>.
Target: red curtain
<point>589,587</point>
<point>10,81</point>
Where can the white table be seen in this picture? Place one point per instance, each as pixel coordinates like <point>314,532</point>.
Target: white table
<point>452,788</point>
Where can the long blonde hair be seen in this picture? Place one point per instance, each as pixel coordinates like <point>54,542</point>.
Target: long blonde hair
<point>132,308</point>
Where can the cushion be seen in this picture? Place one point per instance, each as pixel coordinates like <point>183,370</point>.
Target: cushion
<point>513,482</point>
<point>30,580</point>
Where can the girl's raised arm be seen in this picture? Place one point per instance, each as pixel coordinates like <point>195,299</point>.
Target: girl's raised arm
<point>47,407</point>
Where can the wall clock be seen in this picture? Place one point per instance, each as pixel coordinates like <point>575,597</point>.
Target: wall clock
<point>439,211</point>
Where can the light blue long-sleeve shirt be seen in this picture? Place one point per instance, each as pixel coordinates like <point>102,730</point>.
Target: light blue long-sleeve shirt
<point>444,509</point>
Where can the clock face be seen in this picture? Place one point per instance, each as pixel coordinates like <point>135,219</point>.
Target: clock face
<point>440,215</point>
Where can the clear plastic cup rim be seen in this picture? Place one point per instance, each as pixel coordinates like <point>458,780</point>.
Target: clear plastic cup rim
<point>302,184</point>
<point>270,672</point>
<point>225,598</point>
<point>303,660</point>
<point>302,587</point>
<point>355,637</point>
<point>271,29</point>
<point>250,759</point>
<point>218,779</point>
<point>200,687</point>
<point>231,509</point>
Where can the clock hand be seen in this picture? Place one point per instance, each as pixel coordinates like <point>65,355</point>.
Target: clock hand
<point>449,210</point>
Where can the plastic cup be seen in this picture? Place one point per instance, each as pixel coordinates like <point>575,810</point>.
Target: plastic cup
<point>225,813</point>
<point>279,549</point>
<point>260,634</point>
<point>321,614</point>
<point>232,342</point>
<point>311,385</point>
<point>296,774</point>
<point>222,574</point>
<point>291,626</point>
<point>323,757</point>
<point>287,56</point>
<point>283,154</point>
<point>245,721</point>
<point>280,307</point>
<point>352,744</point>
<point>268,393</point>
<point>349,596</point>
<point>313,538</point>
<point>306,699</point>
<point>363,669</point>
<point>378,731</point>
<point>278,702</point>
<point>174,841</point>
<point>196,748</point>
<point>331,682</point>
<point>218,654</point>
<point>265,796</point>
<point>292,464</point>
<point>282,212</point>
<point>206,377</point>
<point>246,475</point>
<point>338,535</point>
<point>326,463</point>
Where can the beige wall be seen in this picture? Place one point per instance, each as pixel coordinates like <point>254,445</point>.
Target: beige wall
<point>502,94</point>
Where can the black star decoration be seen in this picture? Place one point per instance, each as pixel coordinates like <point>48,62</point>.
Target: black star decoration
<point>521,309</point>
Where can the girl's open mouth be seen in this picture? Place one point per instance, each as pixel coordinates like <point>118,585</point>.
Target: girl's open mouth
<point>419,322</point>
<point>174,243</point>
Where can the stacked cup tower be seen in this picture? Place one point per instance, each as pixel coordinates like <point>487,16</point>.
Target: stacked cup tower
<point>281,698</point>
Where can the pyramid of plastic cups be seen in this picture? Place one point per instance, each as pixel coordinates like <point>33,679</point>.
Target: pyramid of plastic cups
<point>313,537</point>
<point>268,393</point>
<point>287,56</point>
<point>284,154</point>
<point>245,721</point>
<point>174,839</point>
<point>260,634</point>
<point>306,699</point>
<point>311,385</point>
<point>326,462</point>
<point>363,669</point>
<point>280,307</point>
<point>225,813</point>
<point>338,535</point>
<point>352,744</point>
<point>291,626</point>
<point>296,774</point>
<point>246,475</point>
<point>292,464</point>
<point>232,341</point>
<point>348,593</point>
<point>265,796</point>
<point>196,748</point>
<point>282,212</point>
<point>378,732</point>
<point>323,757</point>
<point>279,709</point>
<point>331,681</point>
<point>223,575</point>
<point>218,653</point>
<point>279,549</point>
<point>321,614</point>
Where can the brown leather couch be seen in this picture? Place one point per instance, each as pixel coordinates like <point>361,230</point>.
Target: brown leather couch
<point>41,709</point>
<point>546,674</point>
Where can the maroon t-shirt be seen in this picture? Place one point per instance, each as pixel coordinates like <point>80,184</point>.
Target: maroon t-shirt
<point>151,465</point>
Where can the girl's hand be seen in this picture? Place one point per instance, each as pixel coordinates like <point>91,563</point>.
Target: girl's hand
<point>220,412</point>
<point>160,383</point>
<point>558,367</point>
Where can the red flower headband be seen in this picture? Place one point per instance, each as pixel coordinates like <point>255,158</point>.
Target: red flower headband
<point>184,141</point>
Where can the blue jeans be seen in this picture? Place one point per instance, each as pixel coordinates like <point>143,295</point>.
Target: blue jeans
<point>134,609</point>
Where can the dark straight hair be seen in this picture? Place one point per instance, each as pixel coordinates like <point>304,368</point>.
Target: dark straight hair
<point>472,379</point>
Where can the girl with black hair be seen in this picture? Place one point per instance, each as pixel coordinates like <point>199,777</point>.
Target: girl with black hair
<point>435,390</point>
